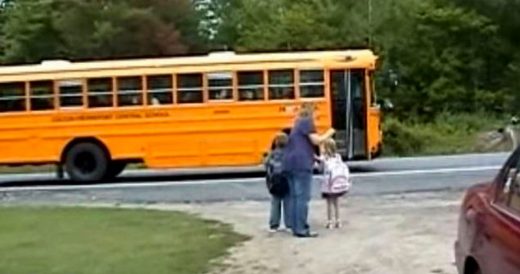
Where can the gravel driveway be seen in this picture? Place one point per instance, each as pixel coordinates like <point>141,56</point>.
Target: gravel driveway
<point>401,234</point>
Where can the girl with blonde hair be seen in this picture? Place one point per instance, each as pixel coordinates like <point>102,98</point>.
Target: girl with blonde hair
<point>336,180</point>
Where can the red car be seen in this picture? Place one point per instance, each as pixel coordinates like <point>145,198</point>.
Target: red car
<point>488,240</point>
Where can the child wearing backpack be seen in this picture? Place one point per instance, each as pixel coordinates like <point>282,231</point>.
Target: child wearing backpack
<point>336,180</point>
<point>277,184</point>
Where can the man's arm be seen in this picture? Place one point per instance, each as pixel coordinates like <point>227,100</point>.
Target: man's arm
<point>317,139</point>
<point>307,128</point>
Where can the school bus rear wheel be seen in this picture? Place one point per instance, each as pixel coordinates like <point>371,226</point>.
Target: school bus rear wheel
<point>86,162</point>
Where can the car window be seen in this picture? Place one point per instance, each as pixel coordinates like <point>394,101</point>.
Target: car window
<point>511,176</point>
<point>514,201</point>
<point>502,179</point>
<point>508,193</point>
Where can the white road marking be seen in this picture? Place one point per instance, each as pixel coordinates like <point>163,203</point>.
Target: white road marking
<point>234,181</point>
<point>426,171</point>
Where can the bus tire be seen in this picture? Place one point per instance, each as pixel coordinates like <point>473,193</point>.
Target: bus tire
<point>115,168</point>
<point>86,162</point>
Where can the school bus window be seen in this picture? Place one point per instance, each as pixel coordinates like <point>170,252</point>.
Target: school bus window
<point>100,92</point>
<point>42,95</point>
<point>159,90</point>
<point>220,86</point>
<point>129,91</point>
<point>250,85</point>
<point>71,93</point>
<point>281,84</point>
<point>12,97</point>
<point>189,88</point>
<point>312,84</point>
<point>357,85</point>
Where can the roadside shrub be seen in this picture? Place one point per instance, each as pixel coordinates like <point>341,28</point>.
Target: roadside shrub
<point>400,139</point>
<point>446,134</point>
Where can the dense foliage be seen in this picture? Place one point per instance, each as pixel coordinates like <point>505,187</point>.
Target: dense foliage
<point>33,30</point>
<point>457,57</point>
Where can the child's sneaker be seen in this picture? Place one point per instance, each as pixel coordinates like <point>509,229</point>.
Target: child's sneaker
<point>273,229</point>
<point>328,225</point>
<point>338,224</point>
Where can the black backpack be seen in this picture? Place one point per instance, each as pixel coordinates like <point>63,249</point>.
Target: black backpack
<point>277,182</point>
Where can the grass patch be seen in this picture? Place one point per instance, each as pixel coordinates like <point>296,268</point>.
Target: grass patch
<point>98,241</point>
<point>27,169</point>
<point>447,134</point>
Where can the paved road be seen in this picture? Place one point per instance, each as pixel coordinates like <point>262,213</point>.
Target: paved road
<point>378,165</point>
<point>381,177</point>
<point>239,189</point>
<point>434,162</point>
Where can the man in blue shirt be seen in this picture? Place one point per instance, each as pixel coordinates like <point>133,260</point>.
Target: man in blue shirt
<point>298,163</point>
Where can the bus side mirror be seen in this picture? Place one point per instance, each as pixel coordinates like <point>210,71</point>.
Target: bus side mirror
<point>386,104</point>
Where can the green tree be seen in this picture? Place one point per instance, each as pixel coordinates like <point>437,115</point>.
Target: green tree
<point>28,32</point>
<point>4,5</point>
<point>116,29</point>
<point>505,15</point>
<point>75,29</point>
<point>503,12</point>
<point>446,66</point>
<point>289,25</point>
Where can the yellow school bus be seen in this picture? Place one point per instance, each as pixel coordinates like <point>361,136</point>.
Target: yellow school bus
<point>221,109</point>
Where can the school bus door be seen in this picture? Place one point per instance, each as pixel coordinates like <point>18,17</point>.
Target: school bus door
<point>349,112</point>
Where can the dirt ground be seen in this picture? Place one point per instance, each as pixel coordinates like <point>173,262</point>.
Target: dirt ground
<point>401,234</point>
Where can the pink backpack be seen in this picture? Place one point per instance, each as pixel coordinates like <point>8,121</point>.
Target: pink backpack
<point>336,176</point>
